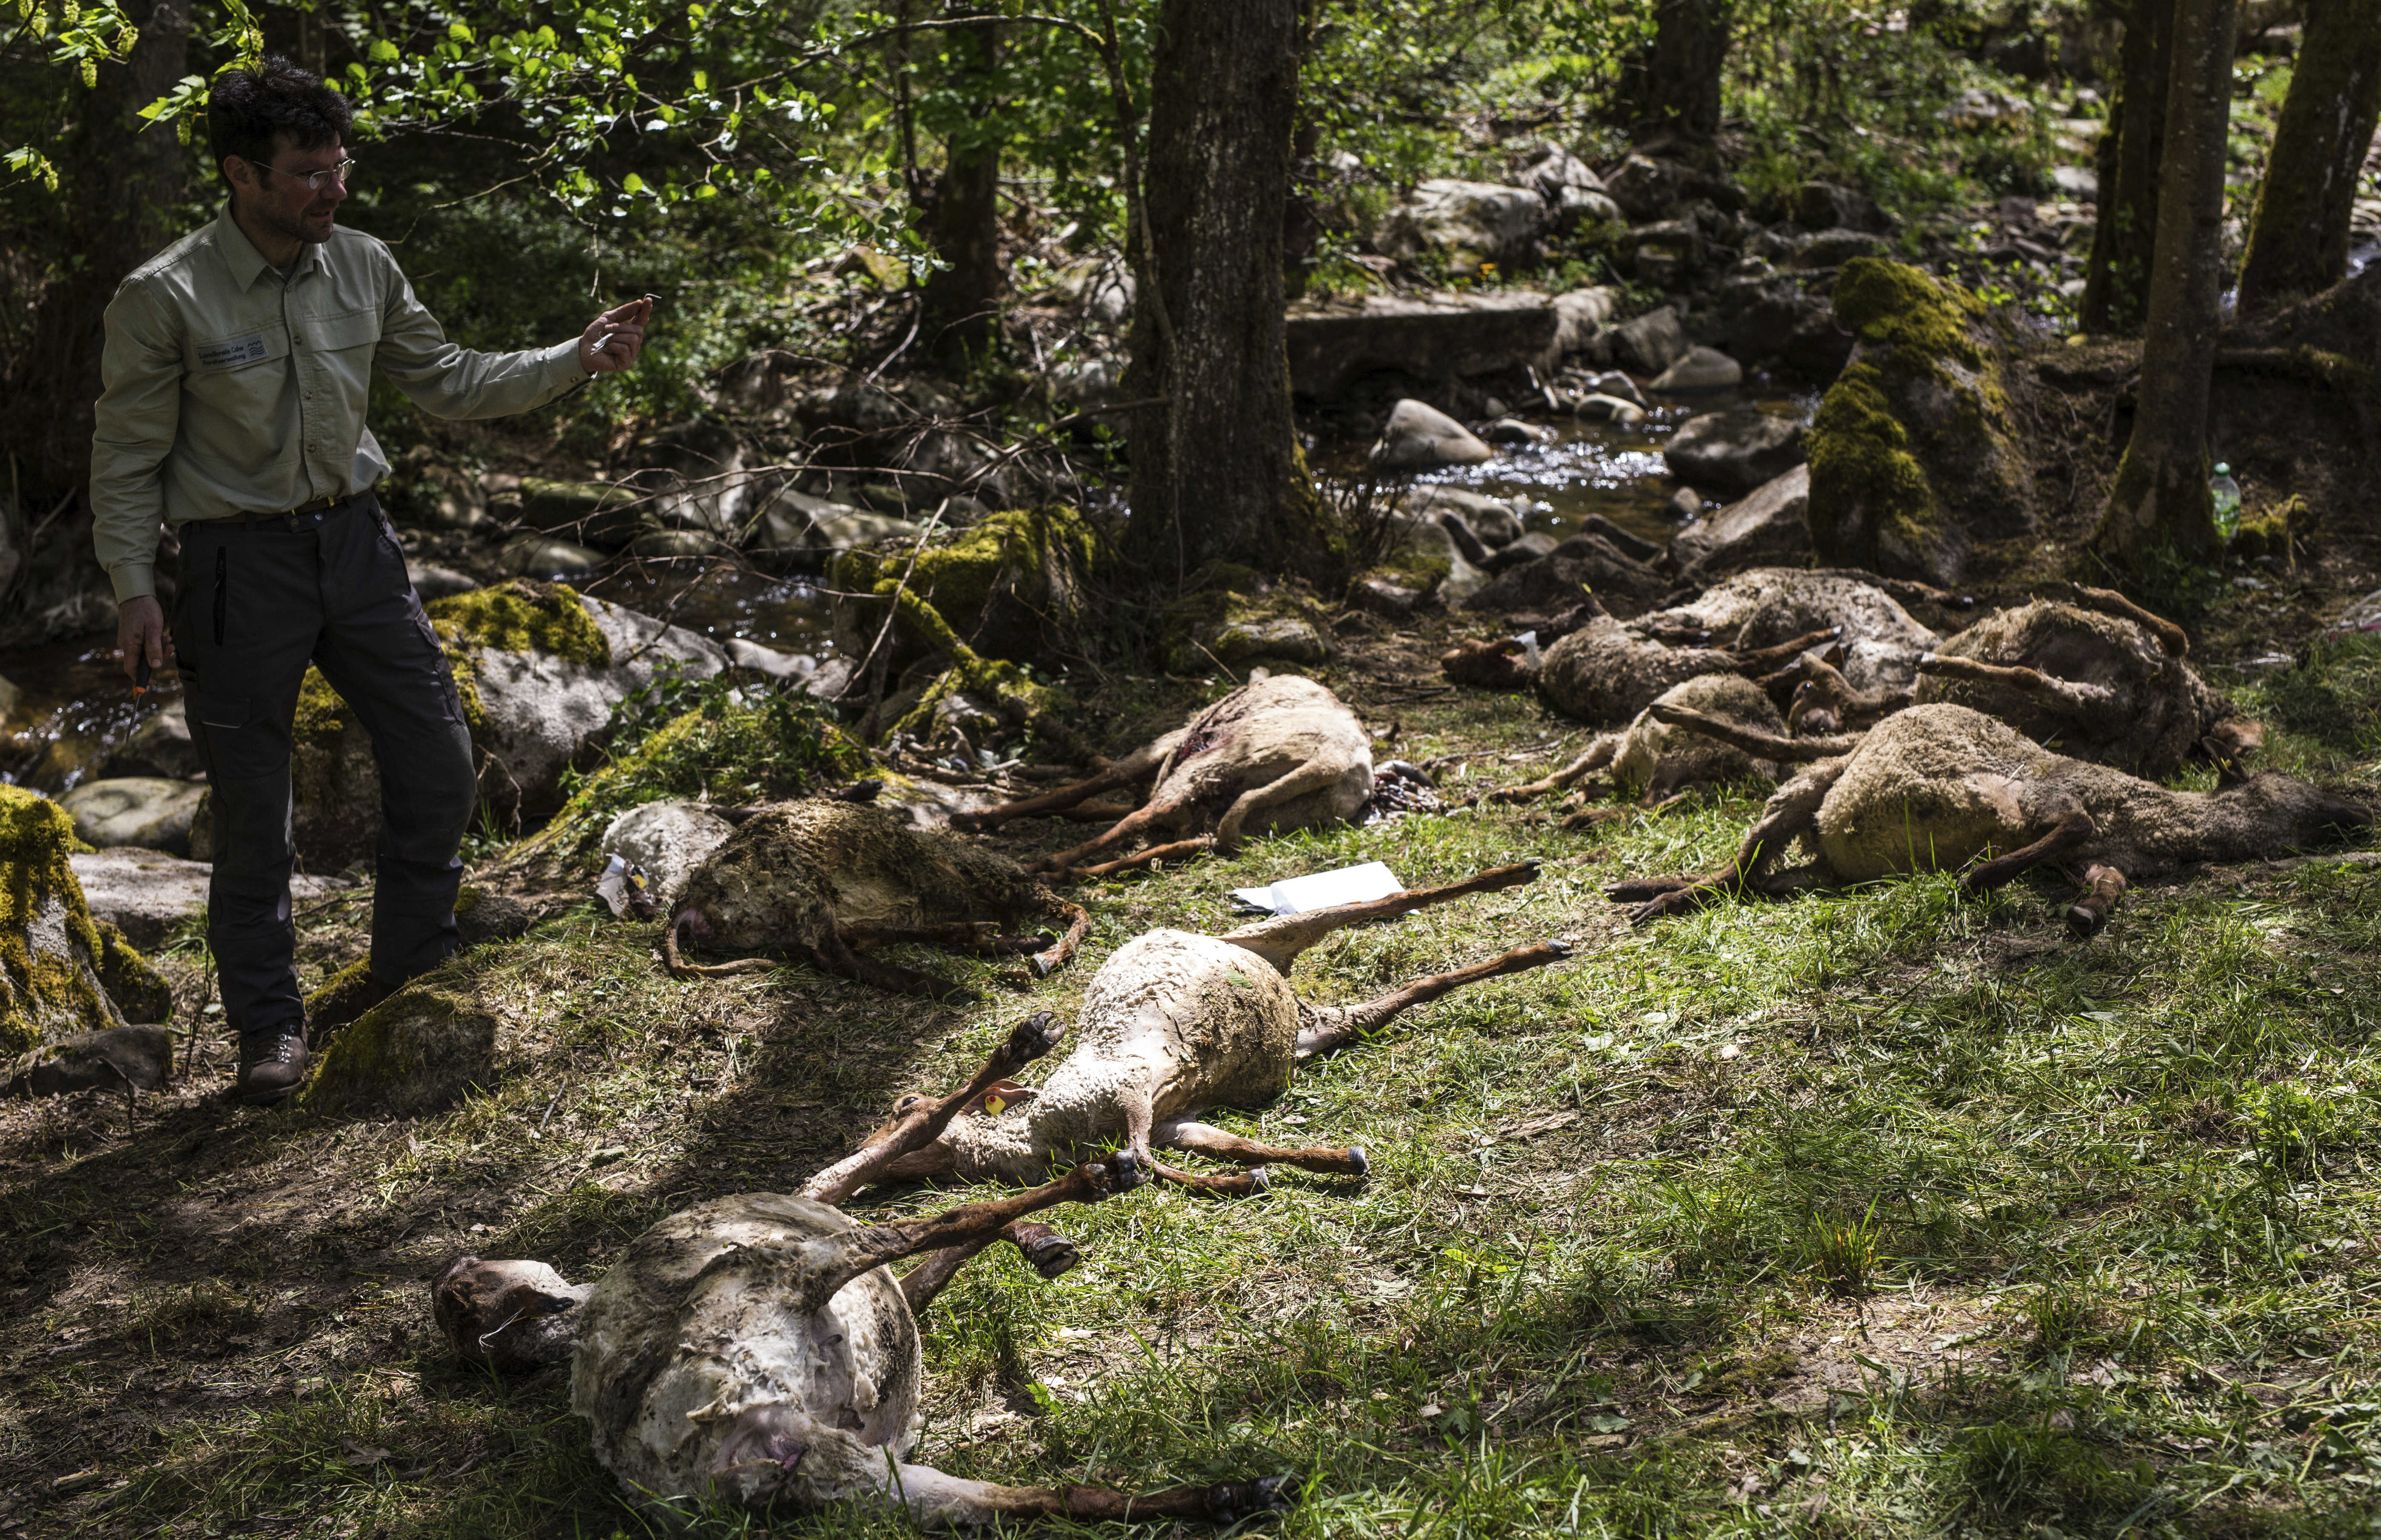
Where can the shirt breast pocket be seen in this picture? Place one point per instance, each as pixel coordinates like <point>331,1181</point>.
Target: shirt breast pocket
<point>344,345</point>
<point>241,372</point>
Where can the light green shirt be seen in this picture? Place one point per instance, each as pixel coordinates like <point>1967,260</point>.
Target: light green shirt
<point>228,390</point>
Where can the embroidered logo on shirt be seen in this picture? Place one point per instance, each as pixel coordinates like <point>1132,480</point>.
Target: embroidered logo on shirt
<point>230,355</point>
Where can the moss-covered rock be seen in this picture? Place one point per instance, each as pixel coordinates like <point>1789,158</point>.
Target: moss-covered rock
<point>140,992</point>
<point>1233,616</point>
<point>951,684</point>
<point>1913,454</point>
<point>50,952</point>
<point>2267,532</point>
<point>519,616</point>
<point>1009,585</point>
<point>415,1052</point>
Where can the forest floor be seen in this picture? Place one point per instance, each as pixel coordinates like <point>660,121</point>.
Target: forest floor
<point>1892,1210</point>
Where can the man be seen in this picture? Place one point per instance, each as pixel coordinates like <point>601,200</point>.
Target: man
<point>236,366</point>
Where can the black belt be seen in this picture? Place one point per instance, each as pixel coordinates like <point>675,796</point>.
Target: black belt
<point>319,505</point>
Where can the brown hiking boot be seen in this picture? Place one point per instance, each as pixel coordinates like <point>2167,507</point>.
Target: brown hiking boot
<point>271,1066</point>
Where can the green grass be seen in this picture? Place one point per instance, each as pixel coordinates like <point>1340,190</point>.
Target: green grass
<point>1886,1211</point>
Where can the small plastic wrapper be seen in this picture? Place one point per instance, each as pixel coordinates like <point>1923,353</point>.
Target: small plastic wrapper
<point>622,886</point>
<point>1349,884</point>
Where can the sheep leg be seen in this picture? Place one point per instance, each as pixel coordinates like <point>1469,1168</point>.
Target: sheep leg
<point>1598,755</point>
<point>1207,1140</point>
<point>1762,745</point>
<point>1174,850</point>
<point>927,1118</point>
<point>2073,829</point>
<point>1240,1185</point>
<point>1793,810</point>
<point>1279,941</point>
<point>2107,601</point>
<point>1062,951</point>
<point>834,955</point>
<point>843,1256</point>
<point>1125,828</point>
<point>1330,1027</point>
<point>1313,775</point>
<point>681,969</point>
<point>2065,695</point>
<point>1761,660</point>
<point>1135,769</point>
<point>1043,1249</point>
<point>935,1500</point>
<point>2103,885</point>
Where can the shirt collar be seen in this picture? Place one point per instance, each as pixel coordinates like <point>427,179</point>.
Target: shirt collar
<point>246,261</point>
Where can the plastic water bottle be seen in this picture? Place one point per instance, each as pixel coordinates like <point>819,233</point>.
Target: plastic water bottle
<point>2227,494</point>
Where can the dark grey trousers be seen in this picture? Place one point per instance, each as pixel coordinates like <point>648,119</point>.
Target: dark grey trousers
<point>260,600</point>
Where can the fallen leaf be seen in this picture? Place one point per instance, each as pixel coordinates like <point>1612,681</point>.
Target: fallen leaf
<point>365,1454</point>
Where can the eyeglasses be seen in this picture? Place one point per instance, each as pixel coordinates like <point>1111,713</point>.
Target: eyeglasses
<point>340,174</point>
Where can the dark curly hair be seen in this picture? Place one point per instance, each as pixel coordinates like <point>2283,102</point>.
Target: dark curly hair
<point>248,107</point>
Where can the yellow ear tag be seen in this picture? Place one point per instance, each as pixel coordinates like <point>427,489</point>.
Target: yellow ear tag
<point>992,1105</point>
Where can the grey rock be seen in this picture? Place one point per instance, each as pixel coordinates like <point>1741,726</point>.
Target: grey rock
<point>1553,170</point>
<point>1511,430</point>
<point>581,513</point>
<point>1736,451</point>
<point>432,581</point>
<point>547,557</point>
<point>1612,382</point>
<point>160,746</point>
<point>1826,206</point>
<point>1334,343</point>
<point>1467,224</point>
<point>1647,187</point>
<point>2078,182</point>
<point>774,663</point>
<point>149,811</point>
<point>1663,254</point>
<point>1284,637</point>
<point>1701,369</point>
<point>1651,343</point>
<point>147,893</point>
<point>666,544</point>
<point>1686,505</point>
<point>1528,548</point>
<point>1554,581</point>
<point>1835,248</point>
<point>669,839</point>
<point>1609,408</point>
<point>1767,528</point>
<point>1418,435</point>
<point>1770,319</point>
<point>1492,522</point>
<point>1584,312</point>
<point>796,524</point>
<point>1577,206</point>
<point>1381,596</point>
<point>139,1055</point>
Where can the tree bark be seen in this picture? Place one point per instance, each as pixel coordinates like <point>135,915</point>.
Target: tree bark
<point>1679,88</point>
<point>1217,472</point>
<point>962,299</point>
<point>2117,274</point>
<point>121,178</point>
<point>2298,238</point>
<point>2160,501</point>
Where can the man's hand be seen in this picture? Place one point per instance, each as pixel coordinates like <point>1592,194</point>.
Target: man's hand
<point>613,340</point>
<point>141,635</point>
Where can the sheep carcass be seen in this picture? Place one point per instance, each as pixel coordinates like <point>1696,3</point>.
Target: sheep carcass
<point>831,878</point>
<point>1175,1022</point>
<point>1281,752</point>
<point>756,1348</point>
<point>1936,786</point>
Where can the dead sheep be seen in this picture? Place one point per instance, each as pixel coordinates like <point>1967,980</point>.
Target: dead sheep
<point>1652,760</point>
<point>1174,1023</point>
<point>829,879</point>
<point>1936,786</point>
<point>757,1351</point>
<point>2094,676</point>
<point>1279,753</point>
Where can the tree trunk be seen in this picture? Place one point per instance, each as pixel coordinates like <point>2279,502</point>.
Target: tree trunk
<point>2298,238</point>
<point>962,299</point>
<point>121,179</point>
<point>1677,92</point>
<point>1217,472</point>
<point>2117,274</point>
<point>2160,501</point>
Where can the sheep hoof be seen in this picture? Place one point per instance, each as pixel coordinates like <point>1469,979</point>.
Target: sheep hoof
<point>2084,922</point>
<point>1559,948</point>
<point>1356,1164</point>
<point>1034,1037</point>
<point>1270,1495</point>
<point>1260,1180</point>
<point>1125,1172</point>
<point>1053,1256</point>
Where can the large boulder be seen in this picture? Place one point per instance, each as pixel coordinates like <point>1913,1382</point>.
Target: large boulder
<point>1584,564</point>
<point>1828,206</point>
<point>1334,343</point>
<point>1914,455</point>
<point>147,893</point>
<point>1648,187</point>
<point>800,530</point>
<point>1651,343</point>
<point>1420,434</point>
<point>1467,224</point>
<point>1766,319</point>
<point>134,809</point>
<point>1701,369</point>
<point>1768,527</point>
<point>1584,312</point>
<point>140,1056</point>
<point>1010,584</point>
<point>57,964</point>
<point>1734,450</point>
